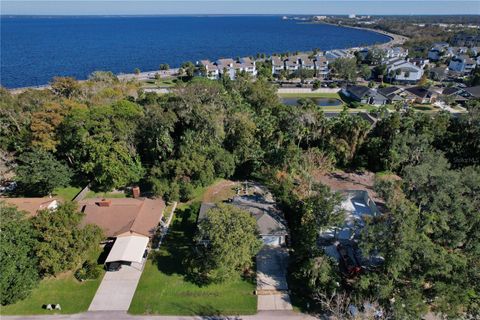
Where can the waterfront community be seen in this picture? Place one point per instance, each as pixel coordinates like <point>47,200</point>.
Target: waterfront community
<point>314,184</point>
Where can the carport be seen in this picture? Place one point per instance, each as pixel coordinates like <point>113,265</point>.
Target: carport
<point>128,249</point>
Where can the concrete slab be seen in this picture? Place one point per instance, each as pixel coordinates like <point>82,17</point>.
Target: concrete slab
<point>274,302</point>
<point>272,265</point>
<point>116,291</point>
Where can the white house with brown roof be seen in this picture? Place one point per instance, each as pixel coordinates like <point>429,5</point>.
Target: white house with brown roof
<point>119,217</point>
<point>131,221</point>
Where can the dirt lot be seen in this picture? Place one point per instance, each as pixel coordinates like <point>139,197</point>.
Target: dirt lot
<point>220,191</point>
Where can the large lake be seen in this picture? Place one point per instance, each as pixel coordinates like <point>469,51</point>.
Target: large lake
<point>35,49</point>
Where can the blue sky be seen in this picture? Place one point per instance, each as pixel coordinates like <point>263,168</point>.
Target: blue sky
<point>124,7</point>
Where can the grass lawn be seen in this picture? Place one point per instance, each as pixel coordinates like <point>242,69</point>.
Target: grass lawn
<point>72,295</point>
<point>164,289</point>
<point>67,193</point>
<point>93,194</point>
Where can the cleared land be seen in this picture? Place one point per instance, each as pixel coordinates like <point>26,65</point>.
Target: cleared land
<point>164,287</point>
<point>72,295</point>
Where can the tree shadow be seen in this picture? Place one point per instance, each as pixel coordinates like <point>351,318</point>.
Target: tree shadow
<point>178,242</point>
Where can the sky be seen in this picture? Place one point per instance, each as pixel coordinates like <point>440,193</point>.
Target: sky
<point>310,7</point>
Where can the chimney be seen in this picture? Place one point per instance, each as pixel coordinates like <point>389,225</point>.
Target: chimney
<point>104,203</point>
<point>136,192</point>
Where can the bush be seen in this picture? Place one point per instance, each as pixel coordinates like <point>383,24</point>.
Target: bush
<point>89,270</point>
<point>186,191</point>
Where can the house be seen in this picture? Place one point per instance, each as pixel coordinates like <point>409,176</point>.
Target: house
<point>438,50</point>
<point>227,68</point>
<point>364,95</point>
<point>292,64</point>
<point>248,66</point>
<point>130,222</point>
<point>321,67</point>
<point>403,71</point>
<point>270,222</point>
<point>119,217</point>
<point>341,243</point>
<point>473,92</point>
<point>420,95</point>
<point>396,53</point>
<point>357,205</point>
<point>462,64</point>
<point>393,94</point>
<point>211,70</point>
<point>464,39</point>
<point>335,54</point>
<point>419,62</point>
<point>438,73</point>
<point>306,62</point>
<point>455,93</point>
<point>278,65</point>
<point>32,205</point>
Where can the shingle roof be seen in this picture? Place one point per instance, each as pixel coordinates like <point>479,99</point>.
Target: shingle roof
<point>474,91</point>
<point>134,215</point>
<point>418,91</point>
<point>358,91</point>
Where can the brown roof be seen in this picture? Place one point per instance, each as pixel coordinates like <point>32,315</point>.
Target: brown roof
<point>117,216</point>
<point>30,205</point>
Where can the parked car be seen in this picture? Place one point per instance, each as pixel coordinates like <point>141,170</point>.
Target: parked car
<point>114,266</point>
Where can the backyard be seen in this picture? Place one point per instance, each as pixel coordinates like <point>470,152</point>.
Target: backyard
<point>72,295</point>
<point>68,193</point>
<point>165,289</point>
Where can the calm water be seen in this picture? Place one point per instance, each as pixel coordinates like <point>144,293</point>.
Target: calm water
<point>321,102</point>
<point>34,49</point>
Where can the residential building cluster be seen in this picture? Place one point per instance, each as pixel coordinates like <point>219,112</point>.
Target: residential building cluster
<point>406,95</point>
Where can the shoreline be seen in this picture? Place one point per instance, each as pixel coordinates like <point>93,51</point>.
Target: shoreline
<point>395,39</point>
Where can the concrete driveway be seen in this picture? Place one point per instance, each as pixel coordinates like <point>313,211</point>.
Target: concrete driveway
<point>272,287</point>
<point>116,291</point>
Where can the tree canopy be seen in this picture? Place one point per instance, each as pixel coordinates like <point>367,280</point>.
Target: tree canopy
<point>228,241</point>
<point>18,262</point>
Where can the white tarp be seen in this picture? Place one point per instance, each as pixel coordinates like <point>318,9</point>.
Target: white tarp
<point>130,248</point>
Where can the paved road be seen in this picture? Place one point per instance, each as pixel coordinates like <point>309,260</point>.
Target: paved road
<point>117,289</point>
<point>117,315</point>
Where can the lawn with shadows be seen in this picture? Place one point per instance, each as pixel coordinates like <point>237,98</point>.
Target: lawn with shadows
<point>72,295</point>
<point>164,288</point>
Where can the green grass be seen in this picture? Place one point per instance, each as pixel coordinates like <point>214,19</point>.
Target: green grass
<point>93,194</point>
<point>72,295</point>
<point>164,289</point>
<point>67,193</point>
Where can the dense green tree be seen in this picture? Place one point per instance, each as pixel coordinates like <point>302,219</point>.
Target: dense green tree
<point>18,263</point>
<point>62,243</point>
<point>345,68</point>
<point>38,173</point>
<point>227,242</point>
<point>99,142</point>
